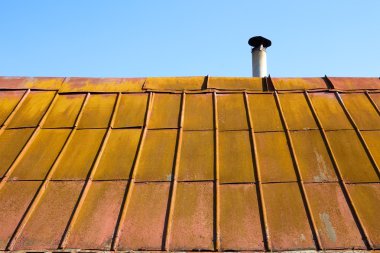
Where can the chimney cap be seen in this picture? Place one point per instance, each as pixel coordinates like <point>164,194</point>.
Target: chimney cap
<point>258,41</point>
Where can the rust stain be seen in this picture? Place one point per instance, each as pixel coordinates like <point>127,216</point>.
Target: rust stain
<point>299,83</point>
<point>174,83</point>
<point>78,84</point>
<point>236,83</point>
<point>355,83</point>
<point>42,83</point>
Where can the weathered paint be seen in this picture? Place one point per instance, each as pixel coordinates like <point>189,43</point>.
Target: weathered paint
<point>165,111</point>
<point>376,99</point>
<point>199,112</point>
<point>372,139</point>
<point>78,84</point>
<point>132,110</point>
<point>232,113</point>
<point>299,83</point>
<point>355,83</point>
<point>41,83</point>
<point>176,83</point>
<point>8,101</point>
<point>235,83</point>
<point>264,113</point>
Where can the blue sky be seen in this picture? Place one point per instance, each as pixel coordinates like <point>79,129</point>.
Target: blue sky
<point>133,38</point>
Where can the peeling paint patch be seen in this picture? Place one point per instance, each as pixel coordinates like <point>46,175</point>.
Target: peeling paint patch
<point>325,218</point>
<point>322,167</point>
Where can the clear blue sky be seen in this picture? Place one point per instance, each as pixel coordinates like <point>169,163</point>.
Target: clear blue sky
<point>185,38</point>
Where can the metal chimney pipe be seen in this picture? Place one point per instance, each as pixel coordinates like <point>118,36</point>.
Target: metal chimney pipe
<point>259,55</point>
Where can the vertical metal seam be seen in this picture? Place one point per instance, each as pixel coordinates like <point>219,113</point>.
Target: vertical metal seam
<point>89,179</point>
<point>41,190</point>
<point>341,182</point>
<point>130,186</point>
<point>174,182</point>
<point>259,189</point>
<point>361,138</point>
<point>373,102</point>
<point>14,111</point>
<point>300,182</point>
<point>216,198</point>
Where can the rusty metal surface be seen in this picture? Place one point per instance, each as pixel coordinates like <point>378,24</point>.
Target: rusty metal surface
<point>41,83</point>
<point>8,101</point>
<point>355,83</point>
<point>199,112</point>
<point>131,111</point>
<point>175,83</point>
<point>79,84</point>
<point>299,83</point>
<point>232,113</point>
<point>232,83</point>
<point>165,111</point>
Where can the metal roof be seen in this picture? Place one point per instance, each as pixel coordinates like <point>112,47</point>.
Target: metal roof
<point>189,164</point>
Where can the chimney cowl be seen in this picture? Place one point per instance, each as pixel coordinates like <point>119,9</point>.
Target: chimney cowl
<point>258,41</point>
<point>259,55</point>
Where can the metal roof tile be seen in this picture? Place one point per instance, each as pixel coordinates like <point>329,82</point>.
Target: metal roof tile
<point>145,218</point>
<point>41,83</point>
<point>132,110</point>
<point>299,83</point>
<point>236,83</point>
<point>232,114</point>
<point>175,83</point>
<point>376,99</point>
<point>240,227</point>
<point>165,111</point>
<point>199,112</point>
<point>8,102</point>
<point>119,155</point>
<point>372,140</point>
<point>355,83</point>
<point>79,84</point>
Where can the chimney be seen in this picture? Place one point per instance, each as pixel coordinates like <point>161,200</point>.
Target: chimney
<point>259,55</point>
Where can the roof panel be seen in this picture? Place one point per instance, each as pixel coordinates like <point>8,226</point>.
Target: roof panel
<point>329,111</point>
<point>299,83</point>
<point>376,99</point>
<point>232,114</point>
<point>65,111</point>
<point>335,224</point>
<point>132,110</point>
<point>362,111</point>
<point>53,211</point>
<point>235,157</point>
<point>8,101</point>
<point>32,109</point>
<point>96,222</point>
<point>174,83</point>
<point>366,199</point>
<point>98,110</point>
<point>145,217</point>
<point>14,198</point>
<point>236,83</point>
<point>287,221</point>
<point>192,223</point>
<point>372,140</point>
<point>351,157</point>
<point>75,84</point>
<point>119,155</point>
<point>157,156</point>
<point>199,112</point>
<point>264,113</point>
<point>37,161</point>
<point>240,227</point>
<point>297,112</point>
<point>11,144</point>
<point>165,111</point>
<point>313,159</point>
<point>79,156</point>
<point>42,83</point>
<point>274,159</point>
<point>355,83</point>
<point>197,156</point>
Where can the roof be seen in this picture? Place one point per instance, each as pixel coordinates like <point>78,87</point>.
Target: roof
<point>189,163</point>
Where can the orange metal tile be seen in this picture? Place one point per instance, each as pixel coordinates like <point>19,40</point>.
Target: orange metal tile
<point>174,83</point>
<point>32,109</point>
<point>350,155</point>
<point>197,157</point>
<point>354,83</point>
<point>132,110</point>
<point>97,218</point>
<point>145,219</point>
<point>199,112</point>
<point>336,226</point>
<point>65,111</point>
<point>42,83</point>
<point>8,101</point>
<point>376,99</point>
<point>240,227</point>
<point>11,144</point>
<point>79,155</point>
<point>372,139</point>
<point>366,198</point>
<point>235,157</point>
<point>232,114</point>
<point>14,198</point>
<point>74,84</point>
<point>299,83</point>
<point>235,83</point>
<point>329,111</point>
<point>296,110</point>
<point>49,220</point>
<point>192,223</point>
<point>288,226</point>
<point>157,156</point>
<point>38,159</point>
<point>274,159</point>
<point>362,111</point>
<point>98,111</point>
<point>264,113</point>
<point>119,154</point>
<point>165,111</point>
<point>313,159</point>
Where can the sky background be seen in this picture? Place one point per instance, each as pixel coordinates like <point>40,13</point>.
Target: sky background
<point>137,38</point>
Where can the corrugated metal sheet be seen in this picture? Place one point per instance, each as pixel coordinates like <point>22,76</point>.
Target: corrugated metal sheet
<point>189,164</point>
